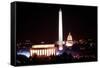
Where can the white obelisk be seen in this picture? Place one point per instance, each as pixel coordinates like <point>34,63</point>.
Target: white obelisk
<point>60,41</point>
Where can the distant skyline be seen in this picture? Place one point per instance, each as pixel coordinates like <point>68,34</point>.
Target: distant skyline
<point>38,22</point>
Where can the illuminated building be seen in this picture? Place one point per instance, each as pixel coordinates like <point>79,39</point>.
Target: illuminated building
<point>69,41</point>
<point>43,50</point>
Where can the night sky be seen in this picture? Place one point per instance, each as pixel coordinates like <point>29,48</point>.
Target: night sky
<point>39,22</point>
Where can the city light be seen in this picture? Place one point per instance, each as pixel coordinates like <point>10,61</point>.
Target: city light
<point>60,48</point>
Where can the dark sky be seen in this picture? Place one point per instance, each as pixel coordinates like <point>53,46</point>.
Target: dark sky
<point>39,22</point>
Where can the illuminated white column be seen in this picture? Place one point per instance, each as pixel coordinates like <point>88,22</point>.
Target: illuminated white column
<point>60,31</point>
<point>53,51</point>
<point>38,52</point>
<point>43,51</point>
<point>47,52</point>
